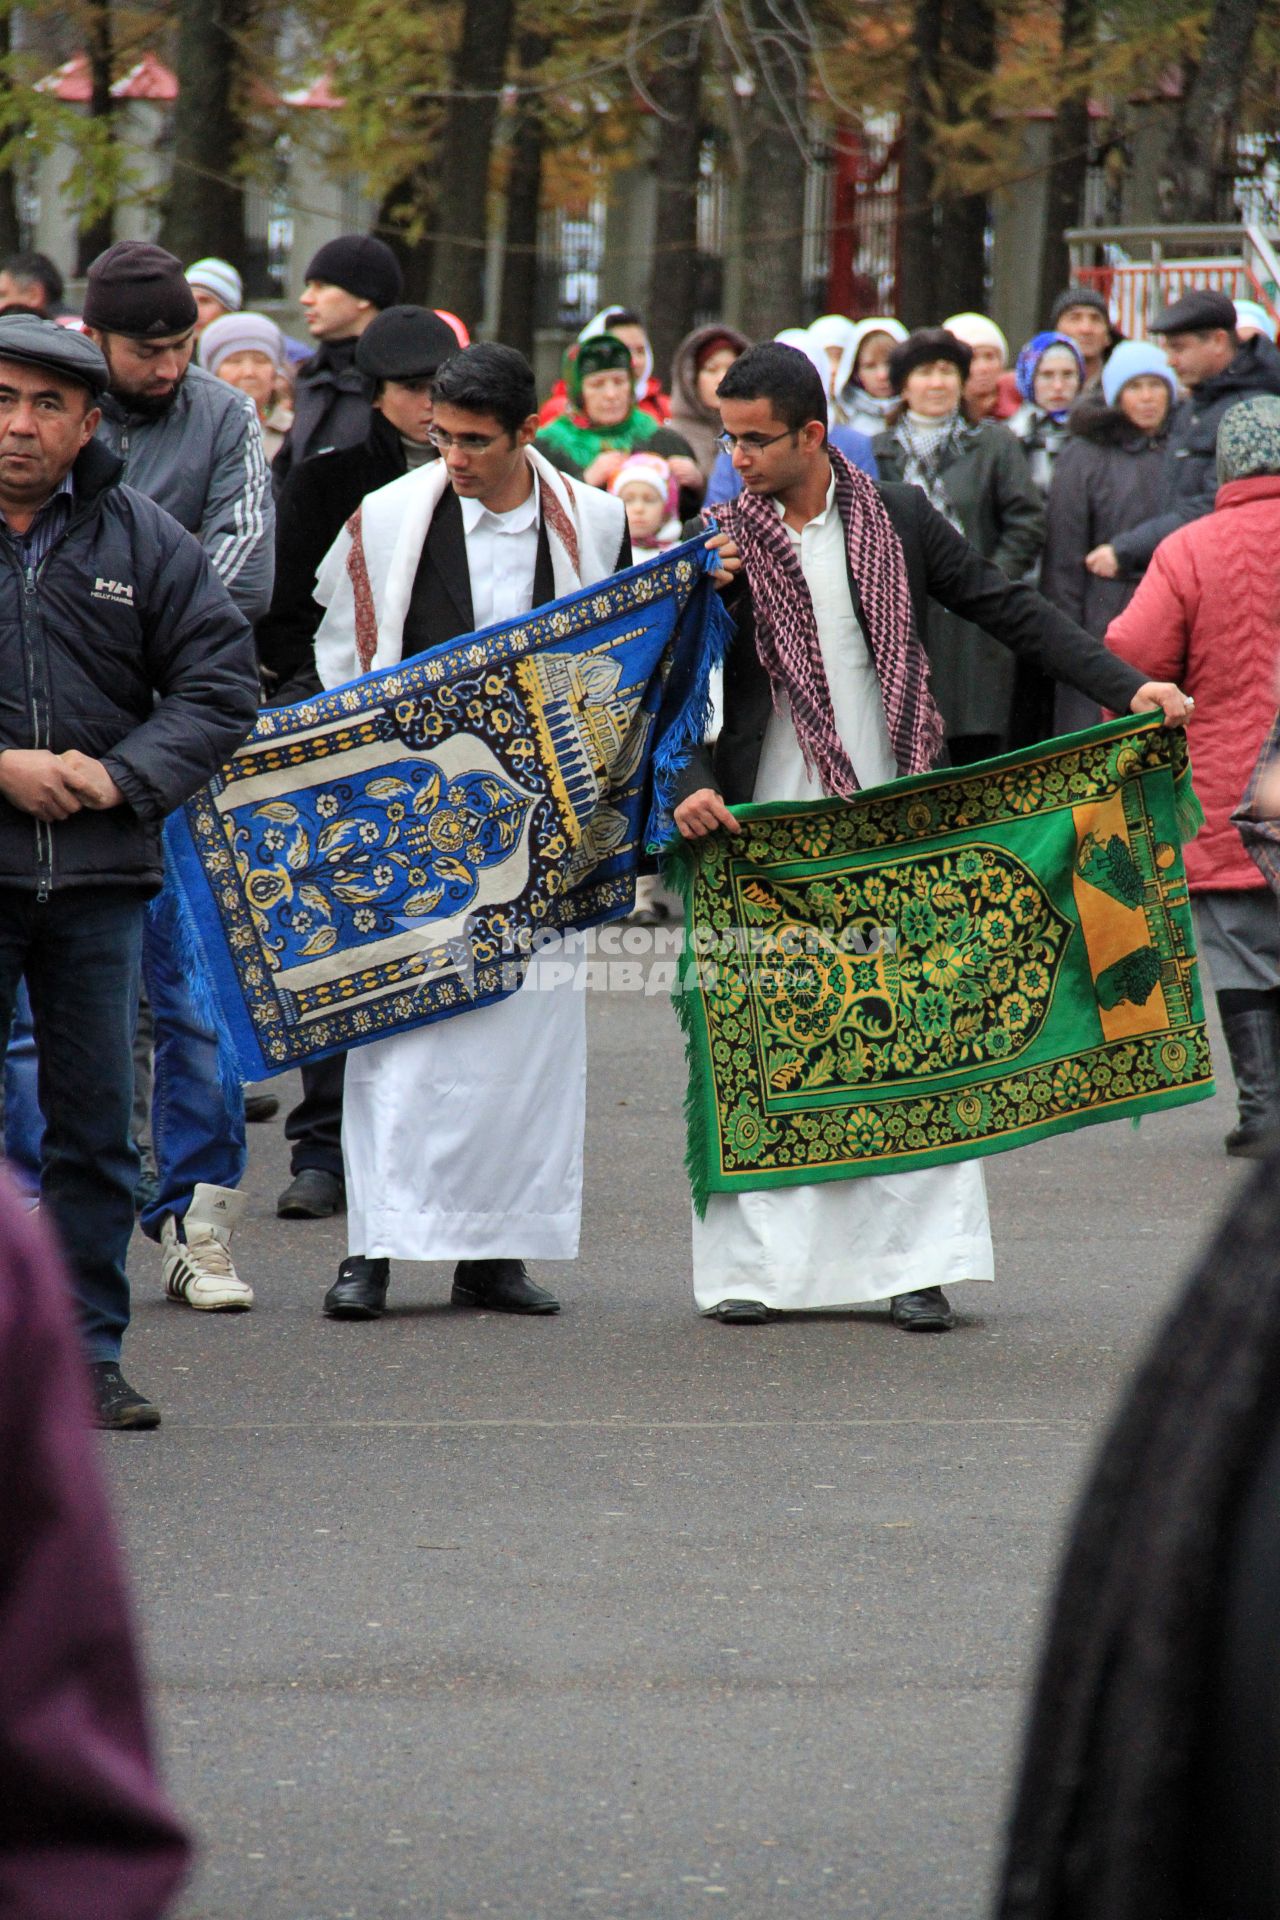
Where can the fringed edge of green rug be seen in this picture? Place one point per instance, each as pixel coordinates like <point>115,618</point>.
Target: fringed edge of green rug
<point>679,860</point>
<point>1187,810</point>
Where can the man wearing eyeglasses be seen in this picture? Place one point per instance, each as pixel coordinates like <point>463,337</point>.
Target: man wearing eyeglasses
<point>825,692</point>
<point>462,1140</point>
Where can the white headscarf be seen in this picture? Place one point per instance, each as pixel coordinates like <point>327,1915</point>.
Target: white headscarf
<point>833,330</point>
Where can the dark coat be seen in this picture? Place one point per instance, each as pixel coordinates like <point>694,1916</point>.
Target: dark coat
<point>998,505</point>
<point>440,607</point>
<point>1106,481</point>
<point>317,500</point>
<point>127,646</point>
<point>86,1831</point>
<point>332,402</point>
<point>1189,481</point>
<point>943,570</point>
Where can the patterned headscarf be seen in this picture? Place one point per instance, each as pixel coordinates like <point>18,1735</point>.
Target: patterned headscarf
<point>1028,361</point>
<point>1249,438</point>
<point>787,629</point>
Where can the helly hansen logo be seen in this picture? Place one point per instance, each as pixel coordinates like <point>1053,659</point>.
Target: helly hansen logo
<point>115,590</point>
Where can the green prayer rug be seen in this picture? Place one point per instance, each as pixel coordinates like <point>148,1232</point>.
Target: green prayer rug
<point>947,966</point>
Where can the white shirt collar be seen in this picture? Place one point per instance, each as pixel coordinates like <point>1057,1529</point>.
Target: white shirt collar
<point>527,514</point>
<point>818,518</point>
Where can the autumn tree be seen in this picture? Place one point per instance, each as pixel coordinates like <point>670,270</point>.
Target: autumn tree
<point>1200,160</point>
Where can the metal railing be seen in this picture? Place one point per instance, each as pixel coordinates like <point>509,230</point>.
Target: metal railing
<point>1241,262</point>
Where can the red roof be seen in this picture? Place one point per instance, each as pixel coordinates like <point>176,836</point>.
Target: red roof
<point>71,81</point>
<point>150,79</point>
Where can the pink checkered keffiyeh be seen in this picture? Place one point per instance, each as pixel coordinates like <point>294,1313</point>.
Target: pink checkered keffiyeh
<point>787,632</point>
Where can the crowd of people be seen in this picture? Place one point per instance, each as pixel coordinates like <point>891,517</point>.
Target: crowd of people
<point>1037,505</point>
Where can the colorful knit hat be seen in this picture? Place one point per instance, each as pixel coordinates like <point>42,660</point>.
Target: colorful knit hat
<point>1249,438</point>
<point>649,470</point>
<point>1029,360</point>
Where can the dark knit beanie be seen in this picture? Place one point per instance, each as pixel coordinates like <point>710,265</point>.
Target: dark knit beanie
<point>405,343</point>
<point>921,349</point>
<point>140,290</point>
<point>1078,297</point>
<point>360,265</point>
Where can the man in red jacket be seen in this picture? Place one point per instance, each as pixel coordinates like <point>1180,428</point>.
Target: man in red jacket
<point>1208,615</point>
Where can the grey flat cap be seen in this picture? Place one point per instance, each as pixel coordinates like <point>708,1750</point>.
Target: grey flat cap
<point>1201,311</point>
<point>43,343</point>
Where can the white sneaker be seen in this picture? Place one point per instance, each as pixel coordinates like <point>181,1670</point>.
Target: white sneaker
<point>199,1269</point>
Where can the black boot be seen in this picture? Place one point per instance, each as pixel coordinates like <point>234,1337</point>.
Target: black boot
<point>1253,1041</point>
<point>500,1286</point>
<point>360,1290</point>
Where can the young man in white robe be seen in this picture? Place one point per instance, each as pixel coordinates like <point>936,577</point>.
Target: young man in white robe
<point>826,692</point>
<point>462,1140</point>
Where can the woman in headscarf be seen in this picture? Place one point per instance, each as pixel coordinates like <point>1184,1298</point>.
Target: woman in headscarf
<point>602,423</point>
<point>987,396</point>
<point>838,339</point>
<point>1050,374</point>
<point>625,325</point>
<point>867,396</point>
<point>975,474</point>
<point>701,361</point>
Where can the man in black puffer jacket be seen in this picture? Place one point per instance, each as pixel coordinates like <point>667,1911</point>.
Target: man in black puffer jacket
<point>127,678</point>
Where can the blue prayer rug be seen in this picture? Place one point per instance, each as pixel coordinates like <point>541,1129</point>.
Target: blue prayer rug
<point>387,854</point>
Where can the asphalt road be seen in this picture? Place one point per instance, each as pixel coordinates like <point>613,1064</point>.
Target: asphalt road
<point>626,1614</point>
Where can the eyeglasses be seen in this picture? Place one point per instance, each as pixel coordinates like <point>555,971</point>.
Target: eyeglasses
<point>464,442</point>
<point>753,442</point>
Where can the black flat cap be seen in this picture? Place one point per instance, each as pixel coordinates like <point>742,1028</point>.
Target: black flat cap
<point>42,343</point>
<point>405,343</point>
<point>1198,312</point>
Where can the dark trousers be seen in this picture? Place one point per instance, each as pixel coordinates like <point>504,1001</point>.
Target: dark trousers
<point>315,1124</point>
<point>80,952</point>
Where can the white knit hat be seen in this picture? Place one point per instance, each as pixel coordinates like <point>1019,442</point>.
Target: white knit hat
<point>219,278</point>
<point>977,331</point>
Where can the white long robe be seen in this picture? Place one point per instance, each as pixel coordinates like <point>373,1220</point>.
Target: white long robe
<point>837,1243</point>
<point>462,1140</point>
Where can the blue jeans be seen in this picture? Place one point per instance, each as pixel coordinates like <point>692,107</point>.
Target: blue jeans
<point>80,953</point>
<point>197,1124</point>
<point>23,1120</point>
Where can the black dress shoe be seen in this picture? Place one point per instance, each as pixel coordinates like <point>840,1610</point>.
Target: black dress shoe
<point>741,1313</point>
<point>260,1106</point>
<point>360,1290</point>
<point>312,1194</point>
<point>500,1286</point>
<point>928,1311</point>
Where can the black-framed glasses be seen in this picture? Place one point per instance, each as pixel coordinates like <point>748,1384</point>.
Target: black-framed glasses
<point>464,442</point>
<point>753,442</point>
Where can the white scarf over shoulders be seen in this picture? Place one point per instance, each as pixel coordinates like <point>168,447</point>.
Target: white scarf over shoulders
<point>462,1140</point>
<point>366,579</point>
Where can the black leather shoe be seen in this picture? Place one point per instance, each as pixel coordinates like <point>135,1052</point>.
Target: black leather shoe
<point>360,1290</point>
<point>259,1107</point>
<point>312,1194</point>
<point>741,1313</point>
<point>928,1311</point>
<point>500,1286</point>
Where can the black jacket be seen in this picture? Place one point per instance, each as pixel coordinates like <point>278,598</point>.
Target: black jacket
<point>318,499</point>
<point>1189,481</point>
<point>1107,480</point>
<point>941,567</point>
<point>332,401</point>
<point>125,645</point>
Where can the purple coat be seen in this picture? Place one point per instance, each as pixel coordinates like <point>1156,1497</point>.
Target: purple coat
<point>86,1832</point>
